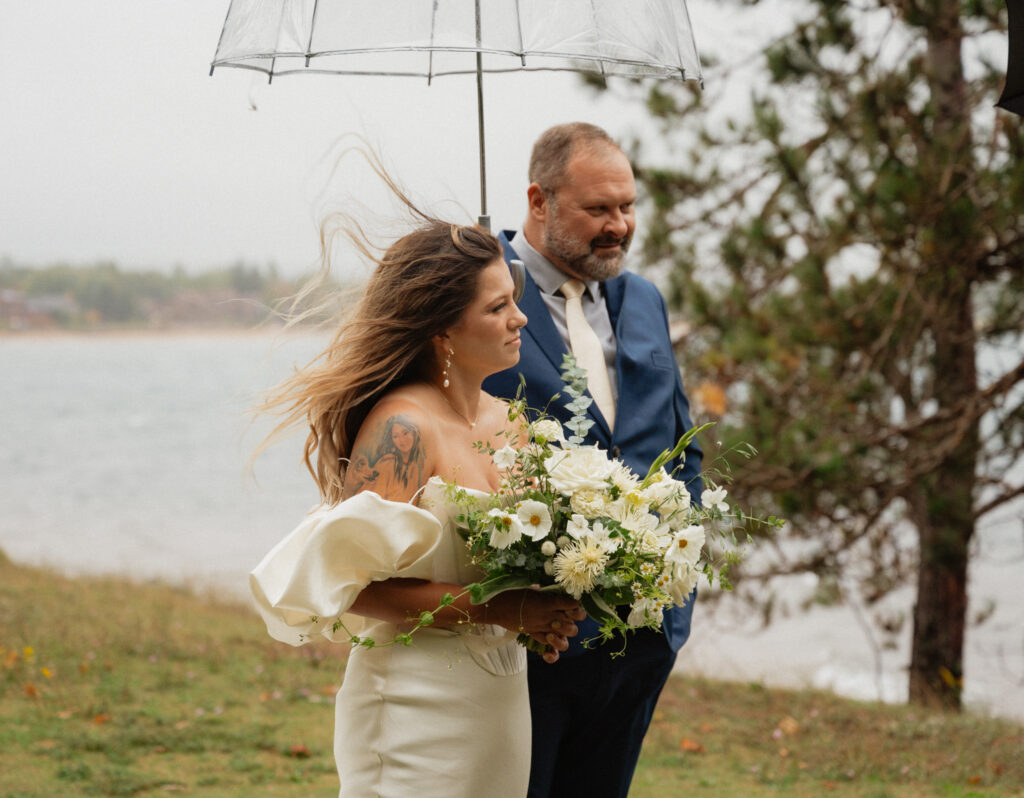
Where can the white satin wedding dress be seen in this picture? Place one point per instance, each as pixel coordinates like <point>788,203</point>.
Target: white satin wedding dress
<point>448,716</point>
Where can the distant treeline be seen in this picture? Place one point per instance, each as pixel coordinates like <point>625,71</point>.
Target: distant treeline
<point>101,295</point>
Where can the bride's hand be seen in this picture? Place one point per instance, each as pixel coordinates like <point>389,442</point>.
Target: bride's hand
<point>548,618</point>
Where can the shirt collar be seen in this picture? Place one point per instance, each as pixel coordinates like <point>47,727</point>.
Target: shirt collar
<point>545,274</point>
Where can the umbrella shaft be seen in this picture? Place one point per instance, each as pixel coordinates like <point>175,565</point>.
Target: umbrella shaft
<point>480,124</point>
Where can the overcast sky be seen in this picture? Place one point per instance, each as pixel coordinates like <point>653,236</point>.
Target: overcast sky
<point>115,143</point>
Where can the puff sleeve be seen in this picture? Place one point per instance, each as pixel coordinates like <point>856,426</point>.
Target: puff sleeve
<point>313,576</point>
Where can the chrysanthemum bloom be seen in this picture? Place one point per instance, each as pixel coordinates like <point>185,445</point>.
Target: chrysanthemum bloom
<point>549,430</point>
<point>578,565</point>
<point>535,518</point>
<point>588,503</point>
<point>506,529</point>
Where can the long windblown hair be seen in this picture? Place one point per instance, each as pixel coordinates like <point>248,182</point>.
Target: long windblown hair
<point>421,286</point>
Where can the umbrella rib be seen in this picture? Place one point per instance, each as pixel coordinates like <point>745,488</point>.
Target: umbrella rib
<point>597,30</point>
<point>273,58</point>
<point>312,27</point>
<point>433,30</point>
<point>220,41</point>
<point>519,33</point>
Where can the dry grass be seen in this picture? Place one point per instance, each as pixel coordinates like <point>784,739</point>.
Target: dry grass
<point>111,688</point>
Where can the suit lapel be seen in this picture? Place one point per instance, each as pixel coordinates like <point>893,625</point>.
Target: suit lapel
<point>541,328</point>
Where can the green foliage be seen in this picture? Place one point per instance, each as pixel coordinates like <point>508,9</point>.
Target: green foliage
<point>850,257</point>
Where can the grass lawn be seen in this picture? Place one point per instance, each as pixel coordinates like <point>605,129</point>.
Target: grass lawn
<point>114,688</point>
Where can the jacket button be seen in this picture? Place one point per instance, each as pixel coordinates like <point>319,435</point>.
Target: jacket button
<point>616,452</point>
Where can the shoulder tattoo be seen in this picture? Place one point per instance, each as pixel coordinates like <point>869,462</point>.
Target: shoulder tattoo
<point>390,460</point>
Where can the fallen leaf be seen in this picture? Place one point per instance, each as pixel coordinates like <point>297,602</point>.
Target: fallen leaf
<point>100,719</point>
<point>789,726</point>
<point>974,780</point>
<point>686,744</point>
<point>31,691</point>
<point>64,714</point>
<point>299,751</point>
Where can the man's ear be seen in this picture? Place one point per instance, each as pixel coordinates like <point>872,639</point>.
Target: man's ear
<point>537,202</point>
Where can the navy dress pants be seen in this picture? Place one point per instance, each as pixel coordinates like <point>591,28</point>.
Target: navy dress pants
<point>590,713</point>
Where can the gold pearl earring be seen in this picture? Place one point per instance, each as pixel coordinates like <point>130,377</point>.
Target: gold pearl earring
<point>447,365</point>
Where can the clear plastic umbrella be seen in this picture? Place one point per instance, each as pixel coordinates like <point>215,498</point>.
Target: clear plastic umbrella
<point>433,38</point>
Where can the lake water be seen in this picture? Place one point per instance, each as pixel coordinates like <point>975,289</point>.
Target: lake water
<point>128,455</point>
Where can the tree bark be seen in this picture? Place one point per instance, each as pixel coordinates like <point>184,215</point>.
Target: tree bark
<point>942,503</point>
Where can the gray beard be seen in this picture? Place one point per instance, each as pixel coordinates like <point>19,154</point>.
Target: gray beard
<point>579,256</point>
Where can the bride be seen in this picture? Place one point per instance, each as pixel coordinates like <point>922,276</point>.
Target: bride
<point>394,407</point>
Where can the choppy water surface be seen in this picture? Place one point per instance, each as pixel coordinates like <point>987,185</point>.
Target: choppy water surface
<point>127,455</point>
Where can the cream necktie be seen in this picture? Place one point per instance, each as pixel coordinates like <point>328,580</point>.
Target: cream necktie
<point>586,348</point>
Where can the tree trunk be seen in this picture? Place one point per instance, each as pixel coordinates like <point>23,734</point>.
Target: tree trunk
<point>942,503</point>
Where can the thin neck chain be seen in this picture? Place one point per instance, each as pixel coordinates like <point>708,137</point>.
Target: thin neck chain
<point>472,424</point>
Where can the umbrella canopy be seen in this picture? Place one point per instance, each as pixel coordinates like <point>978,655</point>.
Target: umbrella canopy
<point>1012,98</point>
<point>430,39</point>
<point>417,38</point>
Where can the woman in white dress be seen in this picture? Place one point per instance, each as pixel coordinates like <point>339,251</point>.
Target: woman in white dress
<point>394,407</point>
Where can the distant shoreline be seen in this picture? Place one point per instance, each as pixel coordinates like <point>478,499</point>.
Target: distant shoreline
<point>158,332</point>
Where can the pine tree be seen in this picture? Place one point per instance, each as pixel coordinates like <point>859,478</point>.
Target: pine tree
<point>849,256</point>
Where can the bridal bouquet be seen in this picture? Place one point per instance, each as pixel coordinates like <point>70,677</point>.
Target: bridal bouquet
<point>570,518</point>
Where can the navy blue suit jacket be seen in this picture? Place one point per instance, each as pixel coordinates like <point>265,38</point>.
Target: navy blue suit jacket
<point>652,411</point>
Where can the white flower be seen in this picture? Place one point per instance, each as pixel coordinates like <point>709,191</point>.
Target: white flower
<point>562,541</point>
<point>548,548</point>
<point>682,580</point>
<point>507,528</point>
<point>549,430</point>
<point>505,457</point>
<point>588,503</point>
<point>582,468</point>
<point>578,565</point>
<point>686,545</point>
<point>601,535</point>
<point>535,518</point>
<point>577,526</point>
<point>715,497</point>
<point>663,490</point>
<point>549,567</point>
<point>632,514</point>
<point>623,478</point>
<point>643,611</point>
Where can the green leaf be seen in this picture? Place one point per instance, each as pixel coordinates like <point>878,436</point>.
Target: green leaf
<point>481,592</point>
<point>597,608</point>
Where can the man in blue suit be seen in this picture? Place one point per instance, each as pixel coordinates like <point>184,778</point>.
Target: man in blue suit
<point>591,709</point>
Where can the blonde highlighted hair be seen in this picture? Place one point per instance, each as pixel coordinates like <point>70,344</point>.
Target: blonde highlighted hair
<point>421,286</point>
